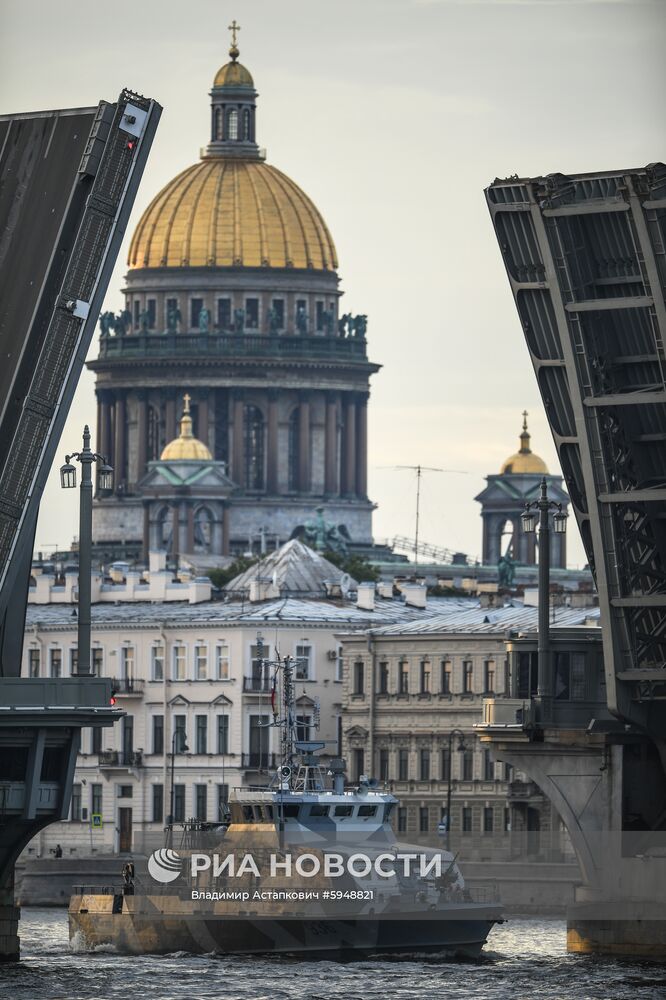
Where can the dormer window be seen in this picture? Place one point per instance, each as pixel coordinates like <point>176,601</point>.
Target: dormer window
<point>232,125</point>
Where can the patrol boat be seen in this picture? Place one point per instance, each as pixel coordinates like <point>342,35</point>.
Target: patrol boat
<point>306,868</point>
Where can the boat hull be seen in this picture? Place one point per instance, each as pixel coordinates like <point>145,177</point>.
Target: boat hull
<point>144,925</point>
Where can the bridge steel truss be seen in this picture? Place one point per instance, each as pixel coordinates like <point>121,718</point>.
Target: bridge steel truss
<point>586,261</point>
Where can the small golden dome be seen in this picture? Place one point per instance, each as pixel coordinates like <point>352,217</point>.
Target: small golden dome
<point>186,447</point>
<point>233,74</point>
<point>524,461</point>
<point>232,212</point>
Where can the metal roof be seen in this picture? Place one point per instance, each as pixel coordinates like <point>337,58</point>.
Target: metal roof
<point>486,620</point>
<point>295,568</point>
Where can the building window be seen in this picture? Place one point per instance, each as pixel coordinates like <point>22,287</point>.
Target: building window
<point>196,305</point>
<point>294,449</point>
<point>301,316</point>
<point>97,661</point>
<point>403,677</point>
<point>507,819</point>
<point>488,819</point>
<point>179,803</point>
<point>253,423</point>
<point>403,764</point>
<point>158,734</point>
<point>339,665</point>
<point>528,675</point>
<point>96,800</point>
<point>467,819</point>
<point>222,661</point>
<point>33,662</point>
<point>137,311</point>
<point>224,315</point>
<point>246,125</point>
<point>303,663</point>
<point>179,663</point>
<point>179,733</point>
<point>358,757</point>
<point>259,740</point>
<point>278,313</point>
<point>217,129</point>
<point>73,661</point>
<point>383,764</point>
<point>260,676</point>
<point>447,672</point>
<point>125,791</point>
<point>201,802</point>
<point>96,739</point>
<point>151,309</point>
<point>319,316</point>
<point>223,734</point>
<point>127,662</point>
<point>425,765</point>
<point>359,677</point>
<point>303,728</point>
<point>201,723</point>
<point>383,678</point>
<point>158,803</point>
<point>445,763</point>
<point>468,677</point>
<point>55,662</point>
<point>201,662</point>
<point>252,313</point>
<point>425,676</point>
<point>128,736</point>
<point>467,765</point>
<point>488,765</point>
<point>157,663</point>
<point>489,677</point>
<point>232,125</point>
<point>424,819</point>
<point>507,678</point>
<point>222,803</point>
<point>402,819</point>
<point>578,687</point>
<point>76,803</point>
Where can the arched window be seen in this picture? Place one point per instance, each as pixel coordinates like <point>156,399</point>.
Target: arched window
<point>232,125</point>
<point>246,125</point>
<point>293,451</point>
<point>218,130</point>
<point>203,530</point>
<point>165,528</point>
<point>254,448</point>
<point>153,449</point>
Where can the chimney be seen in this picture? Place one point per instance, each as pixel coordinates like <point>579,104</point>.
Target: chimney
<point>385,589</point>
<point>157,561</point>
<point>415,594</point>
<point>365,596</point>
<point>263,589</point>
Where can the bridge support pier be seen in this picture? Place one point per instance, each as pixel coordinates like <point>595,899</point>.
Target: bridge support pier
<point>9,918</point>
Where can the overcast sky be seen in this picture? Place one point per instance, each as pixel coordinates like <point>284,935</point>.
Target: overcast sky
<point>393,115</point>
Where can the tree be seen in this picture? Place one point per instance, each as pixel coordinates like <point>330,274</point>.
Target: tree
<point>221,576</point>
<point>357,566</point>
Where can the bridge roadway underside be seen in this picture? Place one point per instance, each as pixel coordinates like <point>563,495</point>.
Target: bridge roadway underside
<point>40,734</point>
<point>609,791</point>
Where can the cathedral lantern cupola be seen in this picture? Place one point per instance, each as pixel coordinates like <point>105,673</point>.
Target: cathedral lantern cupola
<point>233,108</point>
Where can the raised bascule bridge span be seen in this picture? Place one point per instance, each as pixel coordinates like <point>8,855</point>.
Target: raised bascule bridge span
<point>68,182</point>
<point>586,262</point>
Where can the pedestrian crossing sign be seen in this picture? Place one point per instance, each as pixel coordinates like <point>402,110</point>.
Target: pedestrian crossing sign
<point>96,821</point>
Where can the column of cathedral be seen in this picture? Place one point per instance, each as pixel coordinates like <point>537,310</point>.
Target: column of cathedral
<point>362,445</point>
<point>331,468</point>
<point>304,444</point>
<point>272,442</point>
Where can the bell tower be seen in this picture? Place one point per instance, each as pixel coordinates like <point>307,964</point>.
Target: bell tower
<point>233,108</point>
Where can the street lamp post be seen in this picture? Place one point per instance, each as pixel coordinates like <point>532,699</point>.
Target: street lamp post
<point>178,736</point>
<point>530,518</point>
<point>104,483</point>
<point>461,747</point>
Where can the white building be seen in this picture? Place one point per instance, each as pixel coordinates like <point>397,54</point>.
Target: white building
<point>196,672</point>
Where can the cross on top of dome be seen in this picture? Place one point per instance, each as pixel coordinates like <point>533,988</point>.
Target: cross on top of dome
<point>234,28</point>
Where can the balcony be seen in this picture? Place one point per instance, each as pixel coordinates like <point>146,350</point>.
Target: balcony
<point>520,791</point>
<point>120,758</point>
<point>227,345</point>
<point>259,761</point>
<point>257,685</point>
<point>507,713</point>
<point>128,687</point>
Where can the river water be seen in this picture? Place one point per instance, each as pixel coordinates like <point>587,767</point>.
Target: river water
<point>523,958</point>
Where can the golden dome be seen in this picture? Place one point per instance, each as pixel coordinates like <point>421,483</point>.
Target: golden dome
<point>233,74</point>
<point>524,461</point>
<point>186,447</point>
<point>232,212</point>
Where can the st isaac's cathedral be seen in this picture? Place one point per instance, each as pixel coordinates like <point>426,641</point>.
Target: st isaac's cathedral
<point>232,392</point>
